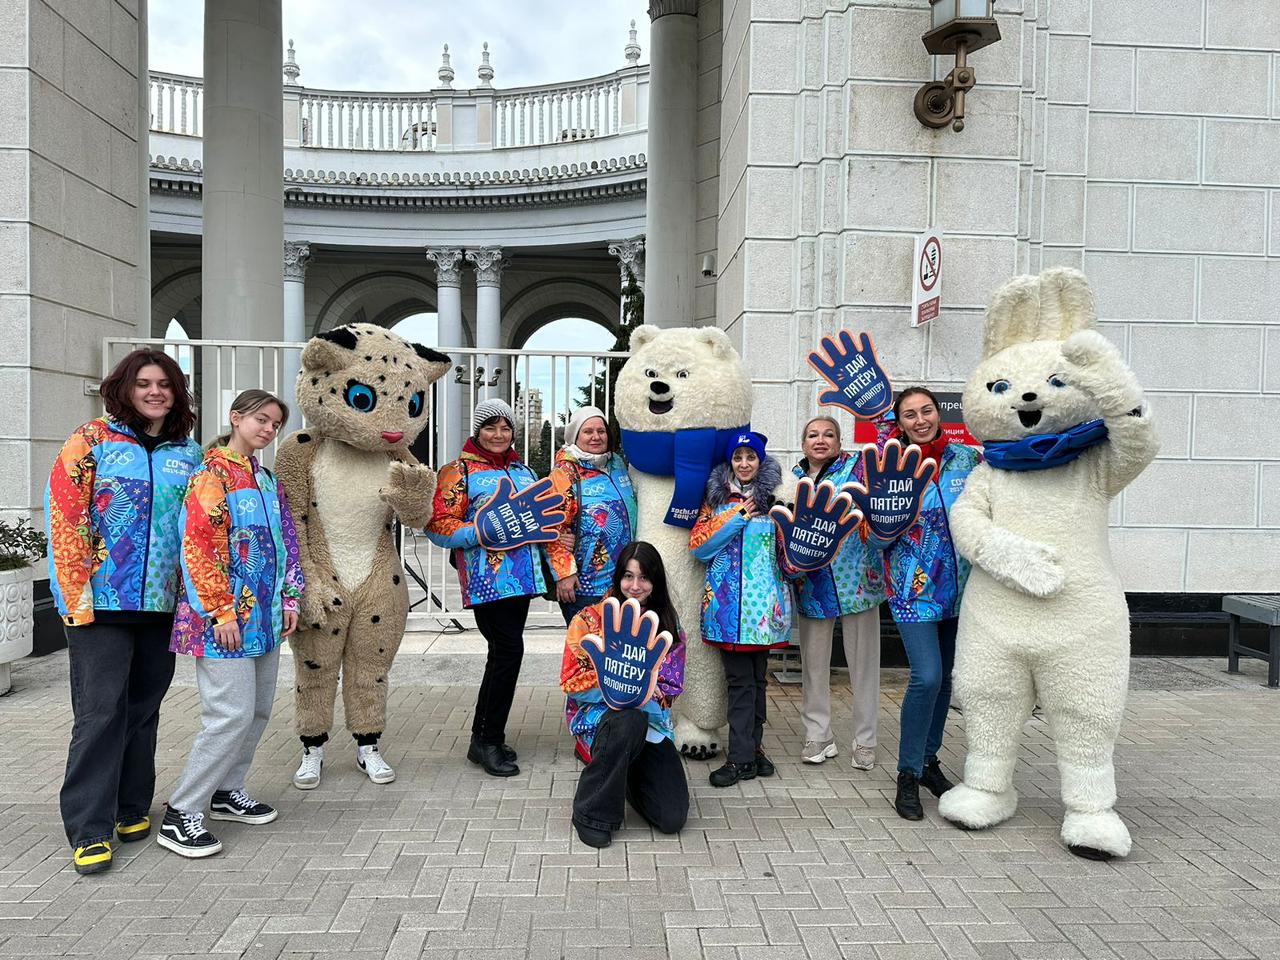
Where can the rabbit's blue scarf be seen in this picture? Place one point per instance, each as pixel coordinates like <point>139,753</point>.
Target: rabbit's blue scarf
<point>688,455</point>
<point>1045,450</point>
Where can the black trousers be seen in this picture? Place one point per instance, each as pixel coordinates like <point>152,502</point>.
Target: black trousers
<point>747,676</point>
<point>626,767</point>
<point>120,673</point>
<point>501,623</point>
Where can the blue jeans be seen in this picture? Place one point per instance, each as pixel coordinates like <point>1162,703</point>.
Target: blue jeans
<point>931,651</point>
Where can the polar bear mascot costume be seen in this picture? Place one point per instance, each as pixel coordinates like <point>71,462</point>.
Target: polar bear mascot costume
<point>1043,617</point>
<point>680,399</point>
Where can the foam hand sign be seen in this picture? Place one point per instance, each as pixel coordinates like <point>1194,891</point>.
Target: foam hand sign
<point>858,382</point>
<point>894,490</point>
<point>823,518</point>
<point>512,519</point>
<point>629,654</point>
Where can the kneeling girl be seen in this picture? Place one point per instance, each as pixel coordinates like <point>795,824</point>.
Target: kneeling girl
<point>630,754</point>
<point>242,586</point>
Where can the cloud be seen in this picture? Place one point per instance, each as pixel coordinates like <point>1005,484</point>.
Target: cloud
<point>395,45</point>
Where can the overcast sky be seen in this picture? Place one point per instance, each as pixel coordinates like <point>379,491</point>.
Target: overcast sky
<point>395,44</point>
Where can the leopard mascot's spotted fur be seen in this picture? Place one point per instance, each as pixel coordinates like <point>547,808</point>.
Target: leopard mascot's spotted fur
<point>364,393</point>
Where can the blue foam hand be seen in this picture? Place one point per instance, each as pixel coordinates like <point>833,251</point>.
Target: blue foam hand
<point>858,382</point>
<point>812,535</point>
<point>510,519</point>
<point>896,480</point>
<point>627,658</point>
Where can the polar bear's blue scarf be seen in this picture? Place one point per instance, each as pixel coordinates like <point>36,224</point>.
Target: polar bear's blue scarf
<point>1044,450</point>
<point>688,455</point>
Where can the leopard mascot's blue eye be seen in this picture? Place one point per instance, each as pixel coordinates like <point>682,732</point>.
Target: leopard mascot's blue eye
<point>360,396</point>
<point>416,404</point>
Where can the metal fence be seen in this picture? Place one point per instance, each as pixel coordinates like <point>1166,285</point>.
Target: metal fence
<point>543,387</point>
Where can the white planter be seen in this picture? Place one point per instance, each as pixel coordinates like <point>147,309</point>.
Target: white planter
<point>16,620</point>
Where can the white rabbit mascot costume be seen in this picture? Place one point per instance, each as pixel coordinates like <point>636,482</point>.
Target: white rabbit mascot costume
<point>1043,617</point>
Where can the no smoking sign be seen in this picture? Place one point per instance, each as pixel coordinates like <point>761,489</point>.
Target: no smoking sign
<point>926,301</point>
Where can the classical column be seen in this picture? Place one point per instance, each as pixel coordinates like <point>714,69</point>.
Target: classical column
<point>630,254</point>
<point>297,255</point>
<point>142,212</point>
<point>670,202</point>
<point>449,426</point>
<point>243,189</point>
<point>488,261</point>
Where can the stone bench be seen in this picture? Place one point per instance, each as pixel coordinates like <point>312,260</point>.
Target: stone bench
<point>1258,608</point>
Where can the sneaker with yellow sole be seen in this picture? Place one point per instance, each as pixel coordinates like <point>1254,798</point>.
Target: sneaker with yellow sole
<point>92,857</point>
<point>133,829</point>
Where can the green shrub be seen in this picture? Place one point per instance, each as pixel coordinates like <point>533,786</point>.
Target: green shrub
<point>20,544</point>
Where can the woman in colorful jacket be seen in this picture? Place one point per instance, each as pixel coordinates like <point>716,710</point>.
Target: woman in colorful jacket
<point>851,589</point>
<point>242,583</point>
<point>630,754</point>
<point>112,508</point>
<point>496,584</point>
<point>925,576</point>
<point>746,602</point>
<point>599,508</point>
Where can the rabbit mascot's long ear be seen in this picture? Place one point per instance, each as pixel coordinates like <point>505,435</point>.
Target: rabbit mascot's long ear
<point>1051,306</point>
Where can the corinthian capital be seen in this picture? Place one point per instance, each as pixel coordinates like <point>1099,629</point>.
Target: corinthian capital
<point>297,254</point>
<point>661,8</point>
<point>448,263</point>
<point>630,254</point>
<point>488,261</point>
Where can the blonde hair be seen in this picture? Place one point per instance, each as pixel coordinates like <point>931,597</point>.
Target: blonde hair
<point>824,418</point>
<point>246,404</point>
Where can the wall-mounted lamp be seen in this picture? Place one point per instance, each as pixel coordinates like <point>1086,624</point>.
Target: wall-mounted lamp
<point>959,27</point>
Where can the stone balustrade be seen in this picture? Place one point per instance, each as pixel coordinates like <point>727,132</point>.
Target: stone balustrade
<point>438,121</point>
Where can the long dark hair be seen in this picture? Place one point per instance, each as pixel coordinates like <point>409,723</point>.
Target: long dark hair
<point>117,394</point>
<point>659,601</point>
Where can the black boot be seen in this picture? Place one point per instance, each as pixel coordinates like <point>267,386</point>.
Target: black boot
<point>764,766</point>
<point>731,773</point>
<point>934,780</point>
<point>593,837</point>
<point>491,757</point>
<point>907,802</point>
<point>509,753</point>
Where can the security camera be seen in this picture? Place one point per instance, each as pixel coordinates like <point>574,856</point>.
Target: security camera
<point>709,265</point>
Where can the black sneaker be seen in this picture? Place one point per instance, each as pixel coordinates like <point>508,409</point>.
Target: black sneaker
<point>593,837</point>
<point>907,802</point>
<point>764,766</point>
<point>185,835</point>
<point>934,780</point>
<point>732,772</point>
<point>237,805</point>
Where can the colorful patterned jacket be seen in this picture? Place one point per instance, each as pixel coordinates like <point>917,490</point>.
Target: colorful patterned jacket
<point>463,487</point>
<point>746,599</point>
<point>585,707</point>
<point>600,511</point>
<point>111,510</point>
<point>855,580</point>
<point>924,573</point>
<point>239,558</point>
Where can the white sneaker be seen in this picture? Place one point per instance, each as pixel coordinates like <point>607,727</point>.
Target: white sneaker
<point>815,752</point>
<point>864,758</point>
<point>308,775</point>
<point>371,762</point>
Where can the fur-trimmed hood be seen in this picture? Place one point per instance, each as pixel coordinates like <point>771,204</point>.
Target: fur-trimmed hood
<point>766,489</point>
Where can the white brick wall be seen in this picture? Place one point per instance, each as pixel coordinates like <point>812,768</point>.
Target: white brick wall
<point>1137,140</point>
<point>68,213</point>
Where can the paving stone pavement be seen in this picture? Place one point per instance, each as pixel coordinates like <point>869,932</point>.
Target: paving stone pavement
<point>813,863</point>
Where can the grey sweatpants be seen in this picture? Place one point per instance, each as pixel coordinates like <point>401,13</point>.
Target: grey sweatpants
<point>235,701</point>
<point>862,652</point>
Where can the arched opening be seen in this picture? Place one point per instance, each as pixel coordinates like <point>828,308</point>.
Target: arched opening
<point>183,355</point>
<point>423,328</point>
<point>384,297</point>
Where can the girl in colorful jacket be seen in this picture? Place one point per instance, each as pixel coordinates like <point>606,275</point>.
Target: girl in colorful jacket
<point>630,754</point>
<point>242,585</point>
<point>599,508</point>
<point>851,589</point>
<point>112,507</point>
<point>497,585</point>
<point>925,577</point>
<point>746,602</point>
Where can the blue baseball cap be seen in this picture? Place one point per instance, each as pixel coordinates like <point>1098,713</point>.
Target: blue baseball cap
<point>748,438</point>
